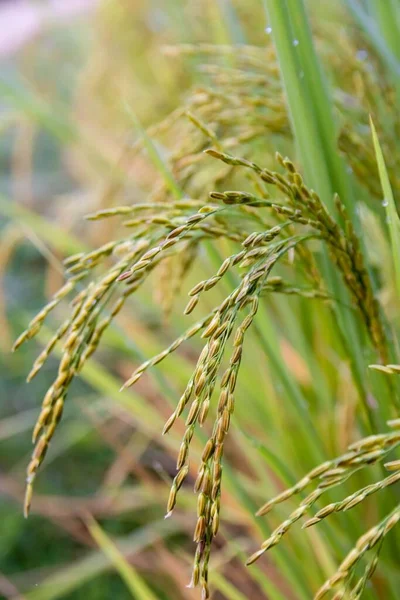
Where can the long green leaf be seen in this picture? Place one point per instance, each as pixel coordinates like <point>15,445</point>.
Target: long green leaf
<point>135,583</point>
<point>389,203</point>
<point>71,577</point>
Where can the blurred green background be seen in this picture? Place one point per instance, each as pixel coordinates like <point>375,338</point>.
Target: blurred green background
<point>69,81</point>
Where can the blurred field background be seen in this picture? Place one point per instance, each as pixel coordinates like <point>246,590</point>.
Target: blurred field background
<point>77,89</point>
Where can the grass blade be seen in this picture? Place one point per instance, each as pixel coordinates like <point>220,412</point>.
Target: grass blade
<point>389,203</point>
<point>135,583</point>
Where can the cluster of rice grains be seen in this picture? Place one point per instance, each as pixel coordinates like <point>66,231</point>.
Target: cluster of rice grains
<point>242,104</point>
<point>243,101</point>
<point>303,206</point>
<point>332,473</point>
<point>104,279</point>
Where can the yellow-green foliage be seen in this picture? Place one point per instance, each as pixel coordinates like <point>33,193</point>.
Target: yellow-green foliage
<point>273,253</point>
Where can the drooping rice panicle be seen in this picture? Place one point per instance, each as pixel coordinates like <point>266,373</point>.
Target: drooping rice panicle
<point>330,474</point>
<point>308,209</point>
<point>372,538</point>
<point>37,322</point>
<point>266,227</point>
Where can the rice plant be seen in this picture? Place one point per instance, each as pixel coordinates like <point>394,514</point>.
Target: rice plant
<point>269,179</point>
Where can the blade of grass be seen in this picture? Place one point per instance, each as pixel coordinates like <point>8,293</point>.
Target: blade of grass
<point>309,106</point>
<point>225,587</point>
<point>322,107</point>
<point>71,577</point>
<point>389,203</point>
<point>300,105</point>
<point>154,154</point>
<point>376,36</point>
<point>387,16</point>
<point>134,582</point>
